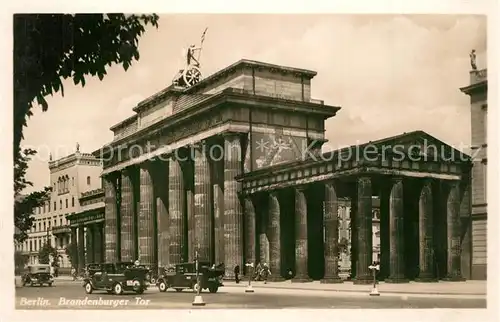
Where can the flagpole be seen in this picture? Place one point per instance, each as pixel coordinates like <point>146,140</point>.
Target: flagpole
<point>201,44</point>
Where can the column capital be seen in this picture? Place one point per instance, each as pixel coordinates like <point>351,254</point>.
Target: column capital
<point>301,188</point>
<point>453,184</point>
<point>231,134</point>
<point>396,179</point>
<point>364,178</point>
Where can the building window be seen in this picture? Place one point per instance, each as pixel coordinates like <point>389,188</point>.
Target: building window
<point>485,124</point>
<point>72,201</point>
<point>55,222</point>
<point>73,181</point>
<point>31,245</point>
<point>88,180</point>
<point>60,204</point>
<point>66,202</point>
<point>39,226</point>
<point>485,181</point>
<point>44,226</point>
<point>55,206</point>
<point>49,205</point>
<point>60,222</point>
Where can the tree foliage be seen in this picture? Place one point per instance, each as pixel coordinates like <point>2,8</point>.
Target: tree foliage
<point>45,253</point>
<point>72,253</point>
<point>20,260</point>
<point>24,206</point>
<point>49,48</point>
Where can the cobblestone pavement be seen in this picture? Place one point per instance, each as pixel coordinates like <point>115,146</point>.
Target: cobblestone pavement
<point>72,296</point>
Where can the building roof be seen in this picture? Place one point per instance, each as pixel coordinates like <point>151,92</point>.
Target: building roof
<point>243,63</point>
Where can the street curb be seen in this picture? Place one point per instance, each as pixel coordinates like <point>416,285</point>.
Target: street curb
<point>362,291</point>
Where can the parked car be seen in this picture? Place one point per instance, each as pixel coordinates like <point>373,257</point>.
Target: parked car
<point>184,277</point>
<point>38,275</point>
<point>116,278</point>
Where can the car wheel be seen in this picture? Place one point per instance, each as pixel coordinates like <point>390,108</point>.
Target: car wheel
<point>88,288</point>
<point>162,286</point>
<point>118,289</point>
<point>50,284</point>
<point>213,289</point>
<point>139,291</point>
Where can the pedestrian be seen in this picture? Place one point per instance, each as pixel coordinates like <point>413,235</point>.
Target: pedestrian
<point>73,273</point>
<point>266,272</point>
<point>258,269</point>
<point>237,274</point>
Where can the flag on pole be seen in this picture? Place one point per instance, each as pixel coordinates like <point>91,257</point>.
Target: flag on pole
<point>203,35</point>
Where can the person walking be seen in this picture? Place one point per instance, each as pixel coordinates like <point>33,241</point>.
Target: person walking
<point>237,274</point>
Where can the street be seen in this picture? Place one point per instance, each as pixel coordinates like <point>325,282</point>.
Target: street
<point>72,296</point>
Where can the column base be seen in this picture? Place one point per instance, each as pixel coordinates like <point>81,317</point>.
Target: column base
<point>426,278</point>
<point>301,279</point>
<point>276,279</point>
<point>331,280</point>
<point>396,280</point>
<point>363,280</point>
<point>454,279</point>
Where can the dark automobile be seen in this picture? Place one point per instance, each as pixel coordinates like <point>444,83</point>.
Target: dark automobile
<point>184,277</point>
<point>38,275</point>
<point>116,278</point>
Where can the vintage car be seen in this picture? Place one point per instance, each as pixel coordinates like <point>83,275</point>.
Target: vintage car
<point>184,277</point>
<point>116,278</point>
<point>38,275</point>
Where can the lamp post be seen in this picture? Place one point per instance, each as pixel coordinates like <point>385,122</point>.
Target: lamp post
<point>375,269</point>
<point>249,288</point>
<point>198,300</point>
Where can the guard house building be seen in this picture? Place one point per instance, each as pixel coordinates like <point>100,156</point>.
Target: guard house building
<point>87,228</point>
<point>231,167</point>
<point>478,92</point>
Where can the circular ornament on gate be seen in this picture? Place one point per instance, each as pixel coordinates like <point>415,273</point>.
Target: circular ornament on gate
<point>191,75</point>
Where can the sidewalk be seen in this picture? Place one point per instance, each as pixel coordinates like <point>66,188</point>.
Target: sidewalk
<point>477,288</point>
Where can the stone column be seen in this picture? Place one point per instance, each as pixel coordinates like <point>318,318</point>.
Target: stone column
<point>396,228</point>
<point>364,226</point>
<point>426,239</point>
<point>110,221</point>
<point>146,218</point>
<point>162,220</point>
<point>274,237</point>
<point>90,244</point>
<point>385,190</point>
<point>217,165</point>
<point>81,248</point>
<point>249,211</point>
<point>98,243</point>
<point>176,197</point>
<point>233,212</point>
<point>453,232</point>
<point>301,272</point>
<point>127,220</point>
<point>74,243</point>
<point>263,225</point>
<point>202,205</point>
<point>331,223</point>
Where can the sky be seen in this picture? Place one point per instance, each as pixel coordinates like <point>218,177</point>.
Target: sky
<point>389,73</point>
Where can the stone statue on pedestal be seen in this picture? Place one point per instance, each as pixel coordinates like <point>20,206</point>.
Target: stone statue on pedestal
<point>472,56</point>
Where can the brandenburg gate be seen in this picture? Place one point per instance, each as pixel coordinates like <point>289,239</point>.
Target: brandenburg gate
<point>232,166</point>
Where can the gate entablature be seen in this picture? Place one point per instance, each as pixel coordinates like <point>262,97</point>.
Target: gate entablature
<point>414,155</point>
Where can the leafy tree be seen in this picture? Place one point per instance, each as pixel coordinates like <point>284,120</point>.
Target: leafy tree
<point>45,253</point>
<point>24,206</point>
<point>20,260</point>
<point>49,48</point>
<point>72,253</point>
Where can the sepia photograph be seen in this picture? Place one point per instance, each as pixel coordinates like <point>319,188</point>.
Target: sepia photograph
<point>249,161</point>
